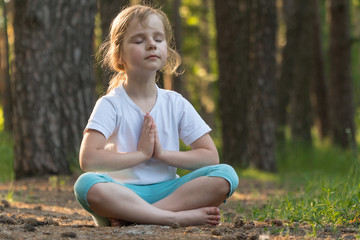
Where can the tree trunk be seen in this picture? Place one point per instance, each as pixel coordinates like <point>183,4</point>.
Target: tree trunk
<point>178,81</point>
<point>206,91</point>
<point>285,81</point>
<point>53,86</point>
<point>340,93</point>
<point>319,94</point>
<point>232,24</point>
<point>109,9</point>
<point>5,72</point>
<point>301,112</point>
<point>261,134</point>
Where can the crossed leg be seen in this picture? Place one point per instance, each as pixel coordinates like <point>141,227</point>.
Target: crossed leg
<point>194,203</point>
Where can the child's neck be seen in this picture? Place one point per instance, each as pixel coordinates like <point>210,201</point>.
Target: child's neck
<point>140,86</point>
<point>142,91</point>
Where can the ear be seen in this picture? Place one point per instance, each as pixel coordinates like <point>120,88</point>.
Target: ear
<point>122,63</point>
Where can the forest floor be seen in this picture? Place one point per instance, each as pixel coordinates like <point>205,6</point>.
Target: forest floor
<point>45,208</point>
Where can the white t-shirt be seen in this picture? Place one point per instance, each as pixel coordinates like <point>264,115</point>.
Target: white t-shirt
<point>120,120</point>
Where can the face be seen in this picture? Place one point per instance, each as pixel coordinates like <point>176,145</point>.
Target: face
<point>145,47</point>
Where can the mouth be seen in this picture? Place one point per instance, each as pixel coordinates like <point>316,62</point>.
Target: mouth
<point>152,56</point>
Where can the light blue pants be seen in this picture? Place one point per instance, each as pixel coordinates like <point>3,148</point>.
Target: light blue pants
<point>153,192</point>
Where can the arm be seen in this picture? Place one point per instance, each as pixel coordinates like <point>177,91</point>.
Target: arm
<point>203,153</point>
<point>95,157</point>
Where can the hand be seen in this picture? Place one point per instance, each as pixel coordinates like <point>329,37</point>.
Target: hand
<point>147,138</point>
<point>158,150</point>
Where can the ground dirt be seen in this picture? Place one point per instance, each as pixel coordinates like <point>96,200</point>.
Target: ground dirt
<point>45,208</point>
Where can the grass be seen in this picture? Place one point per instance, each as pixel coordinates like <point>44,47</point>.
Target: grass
<point>6,153</point>
<point>323,187</point>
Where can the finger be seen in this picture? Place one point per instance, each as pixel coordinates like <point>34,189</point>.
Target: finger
<point>152,132</point>
<point>148,126</point>
<point>143,128</point>
<point>157,139</point>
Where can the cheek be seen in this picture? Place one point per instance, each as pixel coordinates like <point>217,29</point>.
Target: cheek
<point>133,54</point>
<point>164,51</point>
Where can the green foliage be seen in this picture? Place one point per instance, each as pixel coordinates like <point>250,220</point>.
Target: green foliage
<point>323,187</point>
<point>6,153</point>
<point>6,157</point>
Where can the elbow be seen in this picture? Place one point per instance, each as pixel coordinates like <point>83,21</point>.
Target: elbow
<point>84,163</point>
<point>215,159</point>
<point>83,167</point>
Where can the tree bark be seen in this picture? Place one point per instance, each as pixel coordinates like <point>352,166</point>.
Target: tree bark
<point>319,93</point>
<point>52,85</point>
<point>206,91</point>
<point>301,111</point>
<point>261,134</point>
<point>108,9</point>
<point>5,72</point>
<point>232,24</point>
<point>340,93</point>
<point>178,81</point>
<point>284,82</point>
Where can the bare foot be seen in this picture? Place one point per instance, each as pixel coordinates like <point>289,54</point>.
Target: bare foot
<point>200,216</point>
<point>118,223</point>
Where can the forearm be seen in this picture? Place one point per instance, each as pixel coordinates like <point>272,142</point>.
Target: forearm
<point>190,160</point>
<point>96,155</point>
<point>102,160</point>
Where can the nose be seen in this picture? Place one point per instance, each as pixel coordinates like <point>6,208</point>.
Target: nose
<point>151,45</point>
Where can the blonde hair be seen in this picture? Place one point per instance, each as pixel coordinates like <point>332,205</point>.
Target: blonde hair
<point>111,49</point>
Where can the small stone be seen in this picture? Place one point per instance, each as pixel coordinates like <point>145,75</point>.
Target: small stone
<point>38,208</point>
<point>238,222</point>
<point>175,225</point>
<point>216,232</point>
<point>7,220</point>
<point>69,234</point>
<point>240,236</point>
<point>31,221</point>
<point>50,221</point>
<point>5,203</point>
<point>277,222</point>
<point>193,229</point>
<point>249,225</point>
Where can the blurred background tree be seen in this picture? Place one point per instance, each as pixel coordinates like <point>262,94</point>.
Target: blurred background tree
<point>341,86</point>
<point>52,83</point>
<point>253,68</point>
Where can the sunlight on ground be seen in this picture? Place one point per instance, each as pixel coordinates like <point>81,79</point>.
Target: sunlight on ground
<point>30,197</point>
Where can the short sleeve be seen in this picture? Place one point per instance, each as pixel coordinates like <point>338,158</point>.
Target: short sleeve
<point>191,125</point>
<point>103,117</point>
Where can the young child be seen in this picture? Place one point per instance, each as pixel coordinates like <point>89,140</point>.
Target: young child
<point>130,147</point>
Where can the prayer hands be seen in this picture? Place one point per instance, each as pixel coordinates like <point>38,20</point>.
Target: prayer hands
<point>158,150</point>
<point>147,138</point>
<point>149,142</point>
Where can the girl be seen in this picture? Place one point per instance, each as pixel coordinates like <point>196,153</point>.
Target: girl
<point>130,147</point>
